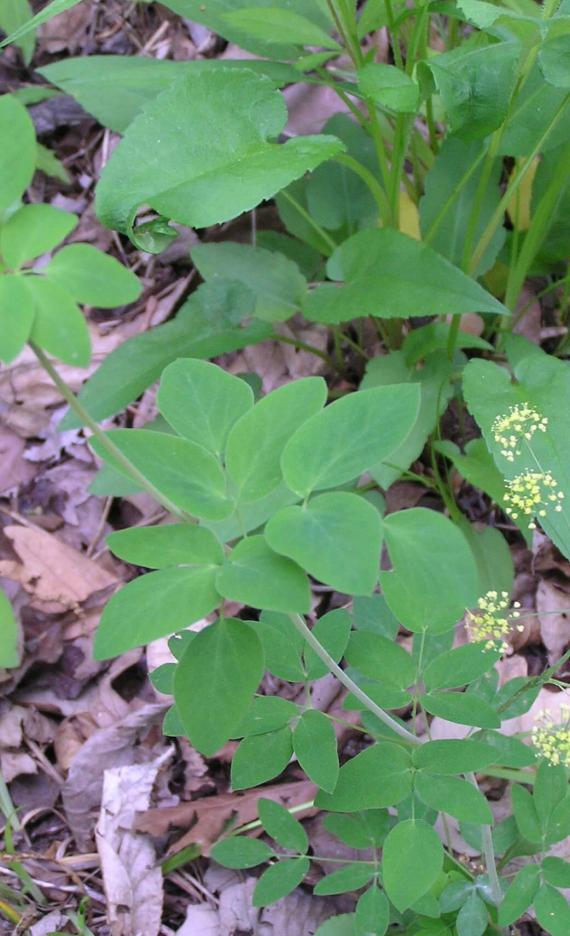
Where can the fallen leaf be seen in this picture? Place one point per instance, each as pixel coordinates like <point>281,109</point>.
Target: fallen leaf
<point>553,607</point>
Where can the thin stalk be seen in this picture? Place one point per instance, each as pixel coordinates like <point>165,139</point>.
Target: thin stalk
<point>309,219</point>
<point>348,683</point>
<point>369,180</point>
<point>303,346</point>
<point>103,438</point>
<point>489,854</point>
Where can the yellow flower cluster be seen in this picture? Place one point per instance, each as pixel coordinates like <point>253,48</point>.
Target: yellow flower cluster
<point>553,741</point>
<point>521,422</point>
<point>530,493</point>
<point>489,624</point>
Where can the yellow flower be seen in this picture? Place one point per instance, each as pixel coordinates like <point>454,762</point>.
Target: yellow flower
<point>553,741</point>
<point>489,624</point>
<point>521,422</point>
<point>530,493</point>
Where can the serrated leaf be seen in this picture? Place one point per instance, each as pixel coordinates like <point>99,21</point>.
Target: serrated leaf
<point>260,758</point>
<point>282,826</point>
<point>279,880</point>
<point>315,746</point>
<point>92,277</point>
<point>349,878</point>
<point>411,862</point>
<point>377,777</point>
<point>34,230</point>
<point>238,851</point>
<point>215,681</point>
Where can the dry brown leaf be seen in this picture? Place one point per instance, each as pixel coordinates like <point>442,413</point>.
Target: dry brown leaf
<point>13,470</point>
<point>552,605</point>
<point>58,577</point>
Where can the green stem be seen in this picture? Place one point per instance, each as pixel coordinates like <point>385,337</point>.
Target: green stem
<point>303,346</point>
<point>370,181</point>
<point>104,440</point>
<point>348,683</point>
<point>309,219</point>
<point>489,854</point>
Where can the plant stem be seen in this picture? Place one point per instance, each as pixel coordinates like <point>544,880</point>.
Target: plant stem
<point>369,180</point>
<point>309,219</point>
<point>489,854</point>
<point>348,683</point>
<point>104,440</point>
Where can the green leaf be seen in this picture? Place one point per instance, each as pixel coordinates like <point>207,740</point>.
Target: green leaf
<point>332,630</point>
<point>412,860</point>
<point>336,537</point>
<point>556,871</point>
<point>553,59</point>
<point>59,325</point>
<point>459,666</point>
<point>315,746</point>
<point>510,752</point>
<point>420,342</point>
<point>257,440</point>
<point>379,658</point>
<point>202,402</point>
<point>349,878</point>
<point>255,575</point>
<point>493,557</point>
<point>366,829</point>
<point>215,681</point>
<point>372,913</point>
<point>18,154</point>
<point>281,826</point>
<point>13,14</point>
<point>476,466</point>
<point>343,440</point>
<point>282,645</point>
<point>550,788</point>
<point>238,851</point>
<point>559,824</point>
<point>428,549</point>
<point>279,880</point>
<point>154,606</point>
<point>268,713</point>
<point>373,614</point>
<point>537,106</point>
<point>9,655</point>
<point>260,758</point>
<point>453,796</point>
<point>447,233</point>
<point>451,756</point>
<point>525,814</point>
<point>520,895</point>
<point>390,87</point>
<point>206,326</point>
<point>16,315</point>
<point>92,277</point>
<point>161,546</point>
<point>462,708</point>
<point>181,470</point>
<point>276,26</point>
<point>229,114</point>
<point>390,275</point>
<point>162,678</point>
<point>552,911</point>
<point>34,230</point>
<point>275,281</point>
<point>341,925</point>
<point>172,725</point>
<point>379,776</point>
<point>49,11</point>
<point>48,163</point>
<point>473,918</point>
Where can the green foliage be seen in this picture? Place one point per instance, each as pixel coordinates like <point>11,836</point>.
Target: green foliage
<point>9,655</point>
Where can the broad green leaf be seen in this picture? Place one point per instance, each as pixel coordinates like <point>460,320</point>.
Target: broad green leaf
<point>379,658</point>
<point>59,325</point>
<point>183,471</point>
<point>18,152</point>
<point>282,826</point>
<point>451,756</point>
<point>366,829</point>
<point>372,913</point>
<point>558,827</point>
<point>9,656</point>
<point>447,232</point>
<point>556,871</point>
<point>385,694</point>
<point>552,911</point>
<point>34,230</point>
<point>282,646</point>
<point>453,796</point>
<point>277,26</point>
<point>315,746</point>
<point>228,114</point>
<point>554,246</point>
<point>332,630</point>
<point>520,895</point>
<point>201,401</point>
<point>257,440</point>
<point>462,708</point>
<point>13,14</point>
<point>429,550</point>
<point>293,206</point>
<point>476,465</point>
<point>207,325</point>
<point>550,788</point>
<point>275,281</point>
<point>154,606</point>
<point>379,776</point>
<point>492,556</point>
<point>16,315</point>
<point>351,877</point>
<point>172,725</point>
<point>162,678</point>
<point>473,918</point>
<point>158,547</point>
<point>459,666</point>
<point>420,342</point>
<point>526,815</point>
<point>390,87</point>
<point>260,758</point>
<point>115,88</point>
<point>347,437</point>
<point>336,537</point>
<point>554,58</point>
<point>259,577</point>
<point>47,13</point>
<point>215,681</point>
<point>373,614</point>
<point>389,275</point>
<point>510,752</point>
<point>239,851</point>
<point>92,277</point>
<point>341,925</point>
<point>48,163</point>
<point>279,880</point>
<point>538,107</point>
<point>411,862</point>
<point>268,713</point>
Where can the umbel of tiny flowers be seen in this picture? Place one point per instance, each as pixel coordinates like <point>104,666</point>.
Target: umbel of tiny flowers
<point>551,740</point>
<point>530,493</point>
<point>489,624</point>
<point>521,422</point>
